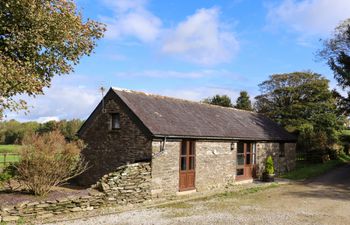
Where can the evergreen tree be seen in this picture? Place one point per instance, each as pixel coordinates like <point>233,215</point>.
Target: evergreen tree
<point>243,101</point>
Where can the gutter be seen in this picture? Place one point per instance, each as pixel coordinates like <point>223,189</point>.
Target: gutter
<point>164,137</point>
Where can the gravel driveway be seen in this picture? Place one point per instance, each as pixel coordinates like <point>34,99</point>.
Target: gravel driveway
<point>324,200</point>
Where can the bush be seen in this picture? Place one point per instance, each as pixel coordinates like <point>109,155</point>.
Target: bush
<point>48,161</point>
<point>7,175</point>
<point>269,167</point>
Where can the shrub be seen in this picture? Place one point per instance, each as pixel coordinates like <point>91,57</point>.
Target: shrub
<point>7,175</point>
<point>269,167</point>
<point>48,161</point>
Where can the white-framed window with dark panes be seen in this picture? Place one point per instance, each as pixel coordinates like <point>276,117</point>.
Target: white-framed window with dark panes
<point>115,121</point>
<point>281,149</point>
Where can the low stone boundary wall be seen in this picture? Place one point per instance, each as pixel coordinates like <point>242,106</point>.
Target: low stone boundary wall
<point>130,184</point>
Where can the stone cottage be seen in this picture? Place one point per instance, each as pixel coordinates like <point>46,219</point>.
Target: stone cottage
<point>191,146</point>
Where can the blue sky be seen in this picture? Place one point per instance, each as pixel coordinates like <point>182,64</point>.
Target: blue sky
<point>191,49</point>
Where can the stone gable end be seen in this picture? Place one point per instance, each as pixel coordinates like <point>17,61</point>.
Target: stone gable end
<point>108,149</point>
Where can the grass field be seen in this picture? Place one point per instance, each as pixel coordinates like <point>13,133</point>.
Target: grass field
<point>306,170</point>
<point>9,158</point>
<point>9,148</point>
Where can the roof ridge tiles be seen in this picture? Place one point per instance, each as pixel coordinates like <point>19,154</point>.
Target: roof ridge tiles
<point>180,99</point>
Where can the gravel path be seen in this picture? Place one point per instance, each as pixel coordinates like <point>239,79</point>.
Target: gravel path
<point>325,200</point>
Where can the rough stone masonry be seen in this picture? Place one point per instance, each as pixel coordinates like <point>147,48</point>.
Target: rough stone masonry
<point>129,184</point>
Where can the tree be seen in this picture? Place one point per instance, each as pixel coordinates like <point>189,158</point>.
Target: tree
<point>12,132</point>
<point>243,101</point>
<point>221,100</point>
<point>298,100</point>
<point>39,40</point>
<point>336,51</point>
<point>69,128</point>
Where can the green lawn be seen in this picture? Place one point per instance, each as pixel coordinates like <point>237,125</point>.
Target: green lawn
<point>305,170</point>
<point>8,149</point>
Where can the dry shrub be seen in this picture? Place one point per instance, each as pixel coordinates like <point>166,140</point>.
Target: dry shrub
<point>48,160</point>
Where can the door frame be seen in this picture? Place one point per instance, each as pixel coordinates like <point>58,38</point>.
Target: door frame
<point>190,173</point>
<point>248,169</point>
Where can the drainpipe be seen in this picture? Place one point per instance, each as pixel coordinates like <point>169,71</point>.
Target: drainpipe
<point>164,141</point>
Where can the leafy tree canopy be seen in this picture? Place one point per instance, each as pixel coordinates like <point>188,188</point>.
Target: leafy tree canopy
<point>221,100</point>
<point>243,101</point>
<point>299,98</point>
<point>336,51</point>
<point>38,40</point>
<point>13,132</point>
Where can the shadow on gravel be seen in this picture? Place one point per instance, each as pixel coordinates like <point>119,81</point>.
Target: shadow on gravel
<point>333,185</point>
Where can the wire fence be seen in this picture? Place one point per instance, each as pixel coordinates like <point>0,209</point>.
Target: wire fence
<point>7,158</point>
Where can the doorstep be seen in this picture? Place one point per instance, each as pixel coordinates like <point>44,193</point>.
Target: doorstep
<point>248,181</point>
<point>181,193</point>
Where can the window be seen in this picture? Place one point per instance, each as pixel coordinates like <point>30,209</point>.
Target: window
<point>282,152</point>
<point>115,121</point>
<point>240,154</point>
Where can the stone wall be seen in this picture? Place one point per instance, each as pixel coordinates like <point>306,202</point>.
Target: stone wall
<point>215,164</point>
<point>165,168</point>
<point>282,164</point>
<point>108,149</point>
<point>128,185</point>
<point>45,209</point>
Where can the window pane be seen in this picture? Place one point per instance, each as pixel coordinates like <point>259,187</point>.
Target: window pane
<point>183,148</point>
<point>115,121</point>
<point>240,159</point>
<point>247,159</point>
<point>193,144</point>
<point>240,172</point>
<point>248,147</point>
<point>240,147</point>
<point>192,161</point>
<point>183,163</point>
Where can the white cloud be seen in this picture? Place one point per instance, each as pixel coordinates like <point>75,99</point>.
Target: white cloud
<point>309,17</point>
<point>132,19</point>
<point>201,39</point>
<point>47,118</point>
<point>63,100</point>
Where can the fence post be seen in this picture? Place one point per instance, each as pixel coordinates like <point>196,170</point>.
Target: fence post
<point>5,158</point>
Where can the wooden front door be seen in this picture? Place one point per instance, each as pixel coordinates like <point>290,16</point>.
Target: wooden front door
<point>187,165</point>
<point>246,156</point>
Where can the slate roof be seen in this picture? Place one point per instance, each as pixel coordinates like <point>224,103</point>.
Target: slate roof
<point>165,116</point>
